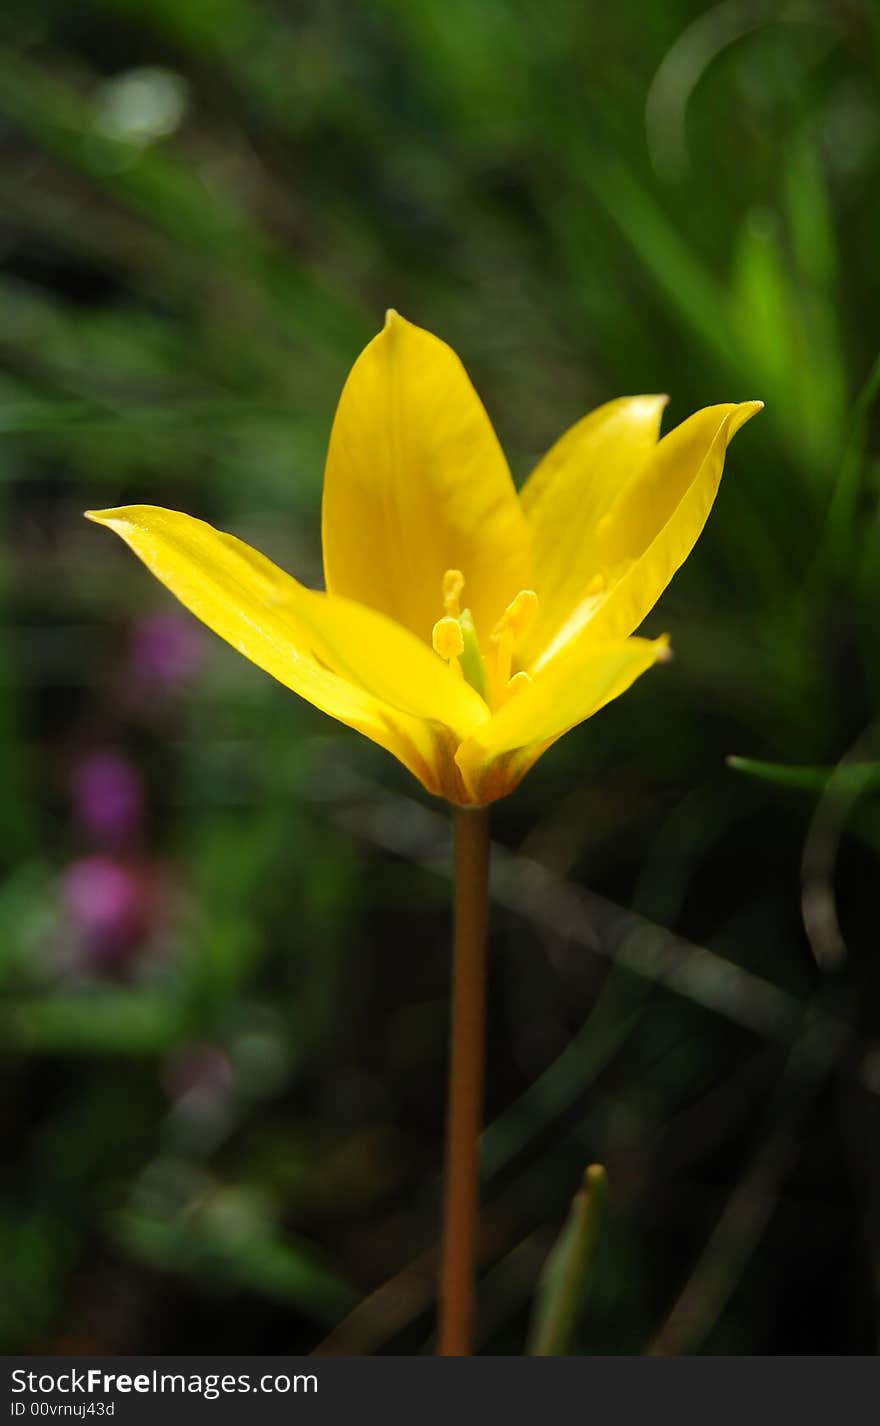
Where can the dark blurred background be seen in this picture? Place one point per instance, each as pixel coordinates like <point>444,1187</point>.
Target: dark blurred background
<point>223,919</point>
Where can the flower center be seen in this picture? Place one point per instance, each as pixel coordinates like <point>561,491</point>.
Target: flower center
<point>454,638</point>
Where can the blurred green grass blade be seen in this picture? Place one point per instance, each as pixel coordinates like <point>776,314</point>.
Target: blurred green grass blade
<point>847,776</point>
<point>150,179</point>
<point>230,1237</point>
<point>762,307</point>
<point>563,1284</point>
<point>784,314</point>
<point>108,1022</point>
<point>679,74</point>
<point>454,54</point>
<point>687,286</point>
<point>162,189</point>
<point>21,417</point>
<point>845,496</point>
<point>809,215</point>
<point>822,370</point>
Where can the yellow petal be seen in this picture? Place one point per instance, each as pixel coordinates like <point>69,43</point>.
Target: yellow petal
<point>416,484</point>
<point>569,492</point>
<point>651,528</point>
<point>569,690</point>
<point>347,660</point>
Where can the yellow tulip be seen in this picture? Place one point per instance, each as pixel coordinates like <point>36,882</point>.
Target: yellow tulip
<point>464,627</point>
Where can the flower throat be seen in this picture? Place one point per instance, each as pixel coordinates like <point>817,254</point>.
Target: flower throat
<point>454,638</point>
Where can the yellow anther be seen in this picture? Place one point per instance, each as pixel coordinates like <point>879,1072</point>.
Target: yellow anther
<point>513,625</point>
<point>519,615</point>
<point>454,636</point>
<point>446,636</point>
<point>453,584</point>
<point>596,585</point>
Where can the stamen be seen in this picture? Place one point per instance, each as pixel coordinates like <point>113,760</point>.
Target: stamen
<point>514,623</point>
<point>453,584</point>
<point>454,636</point>
<point>519,615</point>
<point>446,636</point>
<point>596,585</point>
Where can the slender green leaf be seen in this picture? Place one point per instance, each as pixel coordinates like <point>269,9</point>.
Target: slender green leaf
<point>847,777</point>
<point>563,1286</point>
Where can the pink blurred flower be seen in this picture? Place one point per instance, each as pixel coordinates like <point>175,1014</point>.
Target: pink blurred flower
<point>166,648</point>
<point>108,797</point>
<point>110,905</point>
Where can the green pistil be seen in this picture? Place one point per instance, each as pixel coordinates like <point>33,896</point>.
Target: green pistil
<point>470,657</point>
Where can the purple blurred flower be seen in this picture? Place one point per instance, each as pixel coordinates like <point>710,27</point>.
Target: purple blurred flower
<point>108,797</point>
<point>110,906</point>
<point>166,648</point>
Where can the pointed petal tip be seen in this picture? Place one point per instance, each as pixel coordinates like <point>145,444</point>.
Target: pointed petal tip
<point>735,417</point>
<point>111,518</point>
<point>657,404</point>
<point>647,401</point>
<point>652,403</point>
<point>395,328</point>
<point>742,412</point>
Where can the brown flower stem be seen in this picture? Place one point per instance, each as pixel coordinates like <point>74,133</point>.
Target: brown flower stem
<point>465,1094</point>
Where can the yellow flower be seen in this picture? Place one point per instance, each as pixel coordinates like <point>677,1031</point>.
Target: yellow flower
<point>464,627</point>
